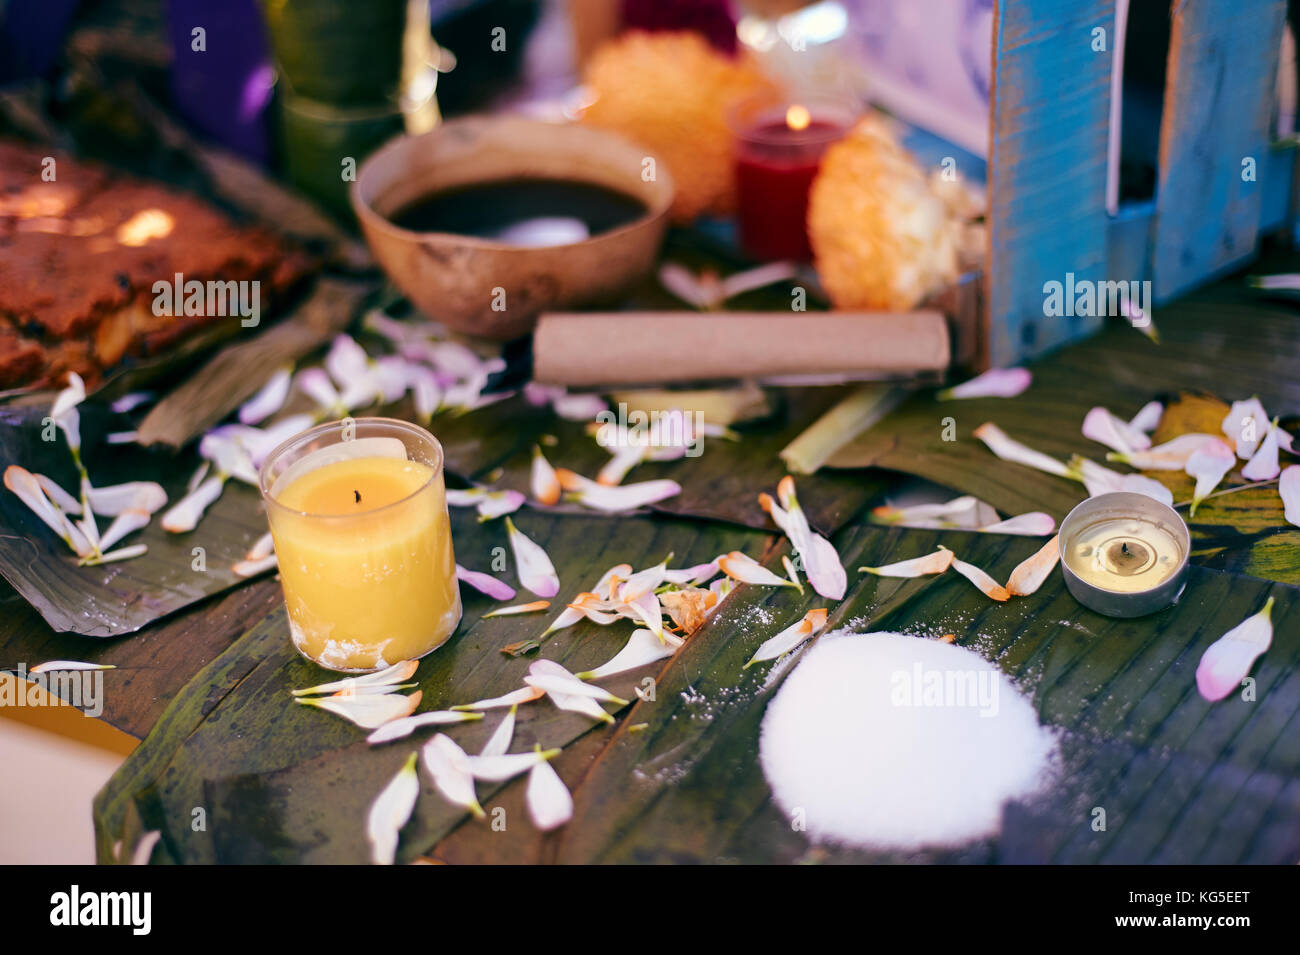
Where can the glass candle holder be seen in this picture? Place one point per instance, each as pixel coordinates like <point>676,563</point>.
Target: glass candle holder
<point>778,149</point>
<point>358,513</point>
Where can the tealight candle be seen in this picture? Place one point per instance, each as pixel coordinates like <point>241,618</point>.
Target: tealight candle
<point>1124,554</point>
<point>778,150</point>
<point>358,513</point>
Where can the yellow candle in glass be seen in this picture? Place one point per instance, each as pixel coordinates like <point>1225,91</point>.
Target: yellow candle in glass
<point>364,547</point>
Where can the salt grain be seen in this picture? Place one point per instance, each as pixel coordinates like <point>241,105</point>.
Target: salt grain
<point>887,741</point>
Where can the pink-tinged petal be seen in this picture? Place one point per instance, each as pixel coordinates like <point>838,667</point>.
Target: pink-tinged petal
<point>535,570</point>
<point>692,576</point>
<point>622,460</point>
<point>426,392</point>
<point>936,563</point>
<point>1009,449</point>
<point>549,803</point>
<point>1032,524</point>
<point>526,694</point>
<point>1100,480</point>
<point>1141,484</point>
<point>1288,485</point>
<point>24,484</point>
<point>1208,464</point>
<point>1031,572</point>
<point>533,607</point>
<point>545,485</point>
<point>53,666</point>
<point>681,281</point>
<point>132,496</point>
<point>252,567</point>
<point>389,376</point>
<point>498,743</point>
<point>269,399</point>
<point>123,553</point>
<point>1285,441</point>
<point>1263,464</point>
<point>539,395</point>
<point>71,396</point>
<point>990,587</point>
<point>646,610</point>
<point>128,522</point>
<point>821,562</point>
<point>790,638</point>
<point>576,703</point>
<point>485,583</point>
<point>469,497</point>
<point>608,580</point>
<point>346,361</point>
<point>496,504</point>
<point>579,407</point>
<point>1148,417</point>
<point>995,383</point>
<point>404,727</point>
<point>502,767</point>
<point>1103,427</point>
<point>225,448</point>
<point>185,514</point>
<point>449,767</point>
<point>390,812</point>
<point>388,677</point>
<point>745,569</point>
<point>592,607</point>
<point>575,687</point>
<point>70,424</point>
<point>567,618</point>
<point>122,437</point>
<point>1170,456</point>
<point>791,571</point>
<point>624,497</point>
<point>61,498</point>
<point>961,512</point>
<point>1244,425</point>
<point>369,711</point>
<point>129,402</point>
<point>641,649</point>
<point>1228,660</point>
<point>642,582</point>
<point>316,385</point>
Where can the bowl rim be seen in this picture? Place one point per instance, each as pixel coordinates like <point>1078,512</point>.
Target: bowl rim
<point>655,211</point>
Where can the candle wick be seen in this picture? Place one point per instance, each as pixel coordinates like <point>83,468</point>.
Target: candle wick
<point>1123,546</point>
<point>358,494</point>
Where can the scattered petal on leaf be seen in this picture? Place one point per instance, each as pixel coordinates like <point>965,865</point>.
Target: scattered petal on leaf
<point>995,383</point>
<point>1228,660</point>
<point>1030,573</point>
<point>536,572</point>
<point>390,812</point>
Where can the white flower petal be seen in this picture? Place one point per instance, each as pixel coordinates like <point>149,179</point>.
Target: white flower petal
<point>549,803</point>
<point>129,402</point>
<point>401,728</point>
<point>1263,464</point>
<point>533,607</point>
<point>449,767</point>
<point>399,672</point>
<point>1031,572</point>
<point>426,392</point>
<point>52,666</point>
<point>1244,425</point>
<point>496,504</point>
<point>390,812</point>
<point>125,523</point>
<point>1170,456</point>
<point>499,743</point>
<point>1228,660</point>
<point>1031,524</point>
<point>1288,485</point>
<point>485,583</point>
<point>935,563</point>
<point>623,497</point>
<point>252,566</point>
<point>623,459</point>
<point>1148,417</point>
<point>1208,464</point>
<point>132,496</point>
<point>185,514</point>
<point>498,769</point>
<point>642,647</point>
<point>995,383</point>
<point>316,385</point>
<point>535,570</point>
<point>1008,449</point>
<point>269,399</point>
<point>369,711</point>
<point>61,498</point>
<point>790,638</point>
<point>745,569</point>
<point>990,587</point>
<point>1103,427</point>
<point>556,684</point>
<point>545,485</point>
<point>523,695</point>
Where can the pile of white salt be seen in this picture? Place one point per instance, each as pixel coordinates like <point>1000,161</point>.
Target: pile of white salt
<point>887,741</point>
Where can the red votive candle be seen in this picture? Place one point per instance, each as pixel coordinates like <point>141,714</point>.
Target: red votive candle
<point>778,150</point>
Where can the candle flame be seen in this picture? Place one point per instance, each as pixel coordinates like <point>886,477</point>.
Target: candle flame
<point>797,117</point>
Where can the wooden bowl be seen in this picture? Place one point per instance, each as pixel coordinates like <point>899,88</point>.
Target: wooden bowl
<point>454,278</point>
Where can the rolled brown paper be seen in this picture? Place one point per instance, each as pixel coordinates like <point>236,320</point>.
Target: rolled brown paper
<point>588,349</point>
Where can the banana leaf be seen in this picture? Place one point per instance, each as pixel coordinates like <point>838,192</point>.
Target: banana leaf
<point>1120,370</point>
<point>233,742</point>
<point>117,598</point>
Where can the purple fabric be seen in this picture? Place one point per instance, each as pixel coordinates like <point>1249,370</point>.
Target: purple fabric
<point>223,91</point>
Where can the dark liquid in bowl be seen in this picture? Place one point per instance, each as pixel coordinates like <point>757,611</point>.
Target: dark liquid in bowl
<point>532,212</point>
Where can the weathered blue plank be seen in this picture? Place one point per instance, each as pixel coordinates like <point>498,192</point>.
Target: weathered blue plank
<point>1218,101</point>
<point>1050,107</point>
